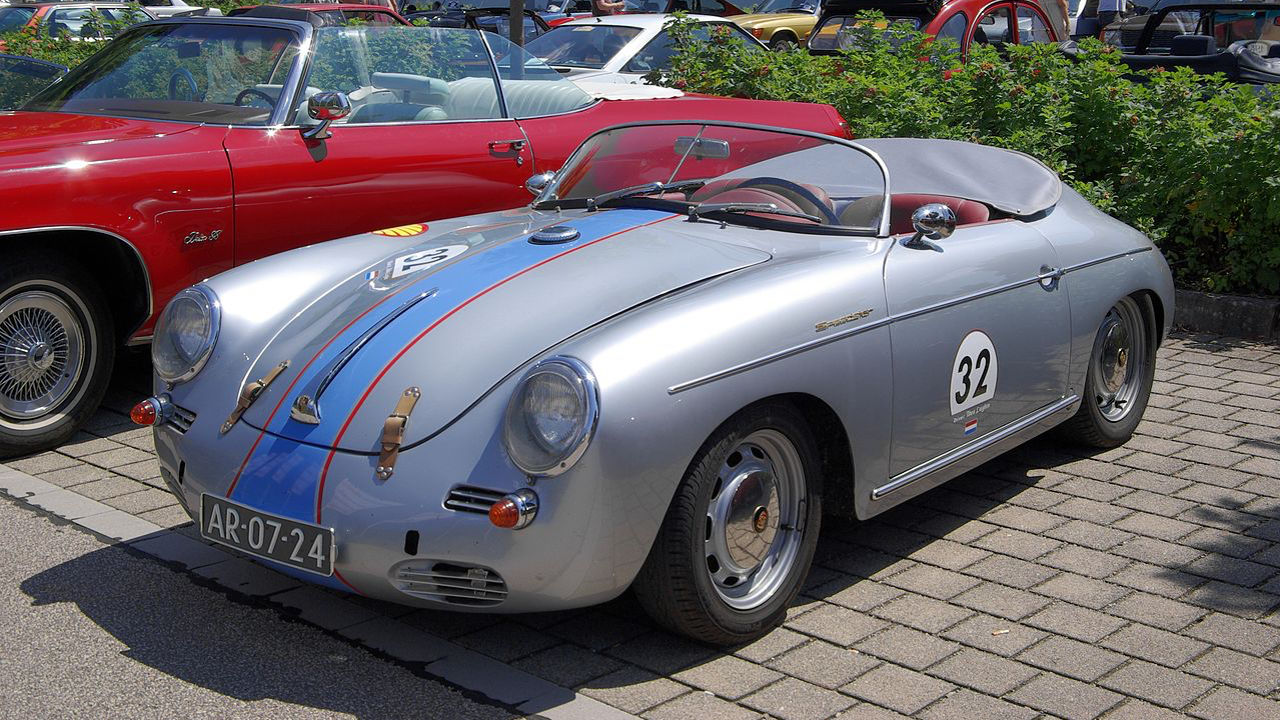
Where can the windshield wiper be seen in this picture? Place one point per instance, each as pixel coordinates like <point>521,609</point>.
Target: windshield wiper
<point>646,189</point>
<point>695,211</point>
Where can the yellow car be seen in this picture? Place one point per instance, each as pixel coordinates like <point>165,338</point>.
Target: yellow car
<point>781,24</point>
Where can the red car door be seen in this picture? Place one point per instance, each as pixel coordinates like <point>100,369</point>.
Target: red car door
<point>426,139</point>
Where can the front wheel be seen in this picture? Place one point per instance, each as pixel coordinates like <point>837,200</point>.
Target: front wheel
<point>739,536</point>
<point>1121,370</point>
<point>782,43</point>
<point>56,353</point>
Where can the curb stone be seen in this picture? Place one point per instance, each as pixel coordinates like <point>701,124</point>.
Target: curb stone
<point>445,661</point>
<point>1234,315</point>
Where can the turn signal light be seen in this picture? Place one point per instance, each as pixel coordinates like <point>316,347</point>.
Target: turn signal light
<point>514,511</point>
<point>145,412</point>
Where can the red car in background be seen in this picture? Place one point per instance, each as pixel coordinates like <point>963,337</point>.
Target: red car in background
<point>192,145</point>
<point>68,19</point>
<point>966,22</point>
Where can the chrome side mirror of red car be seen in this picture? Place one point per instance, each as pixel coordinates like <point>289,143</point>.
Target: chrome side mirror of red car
<point>536,184</point>
<point>325,107</point>
<point>934,221</point>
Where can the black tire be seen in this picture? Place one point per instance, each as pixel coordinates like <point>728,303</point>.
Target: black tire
<point>675,585</point>
<point>47,293</point>
<point>783,42</point>
<point>1091,425</point>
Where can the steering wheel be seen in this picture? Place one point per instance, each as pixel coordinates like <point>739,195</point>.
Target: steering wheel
<point>183,74</point>
<point>271,102</point>
<point>797,193</point>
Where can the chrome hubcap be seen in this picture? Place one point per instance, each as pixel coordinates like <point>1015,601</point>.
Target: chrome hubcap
<point>1120,355</point>
<point>754,519</point>
<point>41,347</point>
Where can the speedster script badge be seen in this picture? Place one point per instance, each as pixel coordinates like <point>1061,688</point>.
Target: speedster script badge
<point>973,376</point>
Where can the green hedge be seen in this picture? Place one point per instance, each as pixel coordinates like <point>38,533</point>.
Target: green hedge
<point>1193,161</point>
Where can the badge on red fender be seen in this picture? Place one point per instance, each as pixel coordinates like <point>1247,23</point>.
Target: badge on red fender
<point>403,230</point>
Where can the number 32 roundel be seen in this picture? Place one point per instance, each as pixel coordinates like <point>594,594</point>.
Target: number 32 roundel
<point>973,372</point>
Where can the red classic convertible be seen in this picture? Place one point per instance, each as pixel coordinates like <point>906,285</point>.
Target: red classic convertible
<point>191,145</point>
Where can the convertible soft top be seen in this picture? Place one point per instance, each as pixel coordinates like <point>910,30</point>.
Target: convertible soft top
<point>1007,180</point>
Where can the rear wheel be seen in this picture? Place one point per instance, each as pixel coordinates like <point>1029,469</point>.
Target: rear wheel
<point>1122,367</point>
<point>782,42</point>
<point>739,536</point>
<point>56,352</point>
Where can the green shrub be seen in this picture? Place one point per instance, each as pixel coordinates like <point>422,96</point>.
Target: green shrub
<point>1188,159</point>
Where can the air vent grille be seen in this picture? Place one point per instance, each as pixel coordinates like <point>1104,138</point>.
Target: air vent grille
<point>450,583</point>
<point>466,498</point>
<point>181,419</point>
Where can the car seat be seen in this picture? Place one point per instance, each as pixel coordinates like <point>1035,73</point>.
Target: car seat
<point>865,212</point>
<point>421,98</point>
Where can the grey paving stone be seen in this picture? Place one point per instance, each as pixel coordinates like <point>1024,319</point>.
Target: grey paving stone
<point>867,711</point>
<point>118,525</point>
<point>727,676</point>
<point>449,625</point>
<point>703,706</point>
<point>1092,469</point>
<point>1083,561</point>
<point>792,699</point>
<point>1156,526</point>
<point>836,624</point>
<point>1036,498</point>
<point>567,665</point>
<point>1233,599</point>
<point>1024,519</point>
<point>604,630</point>
<point>1080,590</point>
<point>955,528</point>
<point>144,470</point>
<point>633,689</point>
<point>905,646</point>
<point>966,705</point>
<point>82,443</point>
<point>141,501</point>
<point>995,635</point>
<point>1002,601</point>
<point>1089,534</point>
<point>117,457</point>
<point>1075,622</point>
<point>492,678</point>
<point>898,689</point>
<point>1155,610</point>
<point>862,596</point>
<point>1159,580</point>
<point>1017,543</point>
<point>1233,632</point>
<point>1008,570</point>
<point>1224,542</point>
<point>78,474</point>
<point>661,652</point>
<point>173,547</point>
<point>922,613</point>
<point>1065,697</point>
<point>1134,709</point>
<point>1231,570</point>
<point>246,577</point>
<point>1231,704</point>
<point>1223,518</point>
<point>1237,669</point>
<point>1156,684</point>
<point>67,504</point>
<point>107,488</point>
<point>984,672</point>
<point>1158,646</point>
<point>322,608</point>
<point>507,640</point>
<point>772,645</point>
<point>948,554</point>
<point>1150,502</point>
<point>1158,552</point>
<point>170,516</point>
<point>1072,658</point>
<point>398,640</point>
<point>1217,496</point>
<point>824,664</point>
<point>42,463</point>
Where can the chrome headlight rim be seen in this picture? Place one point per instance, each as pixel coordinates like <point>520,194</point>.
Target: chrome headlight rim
<point>208,301</point>
<point>575,371</point>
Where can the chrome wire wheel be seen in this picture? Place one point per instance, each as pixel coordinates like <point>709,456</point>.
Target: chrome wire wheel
<point>41,354</point>
<point>755,520</point>
<point>1120,357</point>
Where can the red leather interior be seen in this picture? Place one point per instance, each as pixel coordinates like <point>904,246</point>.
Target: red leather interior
<point>967,212</point>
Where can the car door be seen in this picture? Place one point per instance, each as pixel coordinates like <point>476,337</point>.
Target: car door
<point>1033,26</point>
<point>979,341</point>
<point>426,139</point>
<point>994,26</point>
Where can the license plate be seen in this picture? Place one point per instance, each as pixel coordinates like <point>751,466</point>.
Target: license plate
<point>293,543</point>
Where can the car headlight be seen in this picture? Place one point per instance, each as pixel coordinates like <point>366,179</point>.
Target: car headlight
<point>185,334</point>
<point>551,417</point>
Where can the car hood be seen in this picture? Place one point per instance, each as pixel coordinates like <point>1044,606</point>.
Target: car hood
<point>28,134</point>
<point>460,311</point>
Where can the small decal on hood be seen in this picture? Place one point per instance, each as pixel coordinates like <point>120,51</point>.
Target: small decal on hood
<point>421,260</point>
<point>403,230</point>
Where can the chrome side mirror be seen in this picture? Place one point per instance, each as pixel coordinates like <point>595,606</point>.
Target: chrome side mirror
<point>934,221</point>
<point>536,184</point>
<point>326,107</point>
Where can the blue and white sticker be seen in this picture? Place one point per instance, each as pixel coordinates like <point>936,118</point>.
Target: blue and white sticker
<point>423,259</point>
<point>973,374</point>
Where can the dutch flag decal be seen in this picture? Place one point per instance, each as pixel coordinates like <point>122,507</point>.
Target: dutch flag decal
<point>970,427</point>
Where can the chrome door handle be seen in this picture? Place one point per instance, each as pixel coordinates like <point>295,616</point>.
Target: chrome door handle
<point>510,144</point>
<point>1048,277</point>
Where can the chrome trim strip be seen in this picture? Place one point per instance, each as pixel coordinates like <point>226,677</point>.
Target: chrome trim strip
<point>146,275</point>
<point>903,479</point>
<point>802,347</point>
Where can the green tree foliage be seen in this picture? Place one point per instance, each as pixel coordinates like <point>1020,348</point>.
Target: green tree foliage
<point>1188,159</point>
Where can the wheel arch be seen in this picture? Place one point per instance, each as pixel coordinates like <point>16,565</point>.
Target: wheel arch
<point>105,255</point>
<point>1157,305</point>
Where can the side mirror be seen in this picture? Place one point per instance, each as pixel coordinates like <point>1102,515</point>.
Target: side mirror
<point>326,107</point>
<point>934,221</point>
<point>536,184</point>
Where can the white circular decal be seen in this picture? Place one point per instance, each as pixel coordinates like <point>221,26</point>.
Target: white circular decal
<point>973,372</point>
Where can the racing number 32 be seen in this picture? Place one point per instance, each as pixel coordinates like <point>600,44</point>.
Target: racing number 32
<point>973,372</point>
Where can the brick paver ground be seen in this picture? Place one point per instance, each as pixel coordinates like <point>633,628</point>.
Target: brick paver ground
<point>1141,582</point>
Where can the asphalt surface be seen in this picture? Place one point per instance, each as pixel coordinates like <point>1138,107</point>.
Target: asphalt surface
<point>94,630</point>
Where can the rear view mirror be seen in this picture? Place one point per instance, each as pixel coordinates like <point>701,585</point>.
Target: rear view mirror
<point>188,50</point>
<point>326,107</point>
<point>702,148</point>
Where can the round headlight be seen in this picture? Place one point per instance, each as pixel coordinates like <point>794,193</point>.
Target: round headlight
<point>185,334</point>
<point>551,416</point>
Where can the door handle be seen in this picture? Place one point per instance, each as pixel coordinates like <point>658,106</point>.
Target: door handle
<point>1048,277</point>
<point>516,145</point>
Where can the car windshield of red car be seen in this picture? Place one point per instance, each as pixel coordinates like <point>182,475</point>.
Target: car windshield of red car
<point>204,73</point>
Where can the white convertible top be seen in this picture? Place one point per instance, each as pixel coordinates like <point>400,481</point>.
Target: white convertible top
<point>1007,180</point>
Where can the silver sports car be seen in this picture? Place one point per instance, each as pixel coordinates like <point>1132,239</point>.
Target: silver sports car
<point>658,375</point>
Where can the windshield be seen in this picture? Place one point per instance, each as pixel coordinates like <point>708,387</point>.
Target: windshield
<point>195,72</point>
<point>21,77</point>
<point>787,6</point>
<point>813,183</point>
<point>12,19</point>
<point>843,32</point>
<point>581,46</point>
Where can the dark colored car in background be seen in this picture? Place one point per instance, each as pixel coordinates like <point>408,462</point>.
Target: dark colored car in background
<point>328,13</point>
<point>495,20</point>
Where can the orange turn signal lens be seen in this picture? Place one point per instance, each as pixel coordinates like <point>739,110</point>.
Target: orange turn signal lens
<point>514,511</point>
<point>144,413</point>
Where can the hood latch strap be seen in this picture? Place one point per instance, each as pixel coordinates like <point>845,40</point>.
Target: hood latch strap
<point>393,432</point>
<point>249,394</point>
